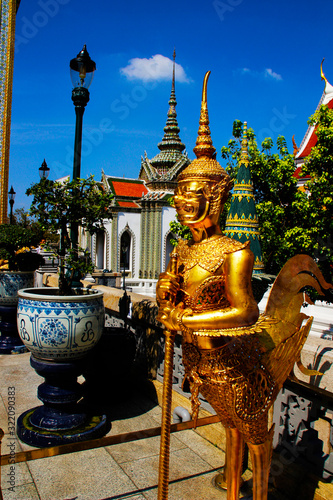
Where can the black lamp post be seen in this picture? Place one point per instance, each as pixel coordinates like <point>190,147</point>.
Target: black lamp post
<point>82,71</point>
<point>11,195</point>
<point>44,170</point>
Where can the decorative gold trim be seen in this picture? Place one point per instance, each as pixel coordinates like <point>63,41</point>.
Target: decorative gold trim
<point>262,323</point>
<point>9,48</point>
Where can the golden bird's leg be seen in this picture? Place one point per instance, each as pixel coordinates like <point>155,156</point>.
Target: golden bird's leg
<point>234,462</point>
<point>261,455</point>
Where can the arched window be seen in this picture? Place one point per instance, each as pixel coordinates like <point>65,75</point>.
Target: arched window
<point>100,243</point>
<point>125,250</point>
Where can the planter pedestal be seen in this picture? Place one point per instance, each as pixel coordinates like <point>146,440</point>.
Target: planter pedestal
<point>10,283</point>
<point>9,337</point>
<point>61,419</point>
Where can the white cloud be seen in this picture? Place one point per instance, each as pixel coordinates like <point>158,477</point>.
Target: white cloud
<point>271,74</point>
<point>267,73</point>
<point>158,67</point>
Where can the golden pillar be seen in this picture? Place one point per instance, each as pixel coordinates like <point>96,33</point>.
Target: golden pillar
<point>7,47</point>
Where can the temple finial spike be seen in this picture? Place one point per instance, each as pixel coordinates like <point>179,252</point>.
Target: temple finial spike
<point>204,145</point>
<point>245,152</point>
<point>204,87</point>
<point>173,70</point>
<point>323,77</point>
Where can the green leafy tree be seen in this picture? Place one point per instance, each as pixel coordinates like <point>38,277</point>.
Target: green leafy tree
<point>57,206</point>
<point>319,202</point>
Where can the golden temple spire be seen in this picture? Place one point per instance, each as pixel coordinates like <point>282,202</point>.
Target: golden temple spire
<point>328,87</point>
<point>244,152</point>
<point>205,166</point>
<point>323,77</point>
<point>204,145</point>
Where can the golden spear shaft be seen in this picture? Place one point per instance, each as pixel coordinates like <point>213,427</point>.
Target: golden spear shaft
<point>163,473</point>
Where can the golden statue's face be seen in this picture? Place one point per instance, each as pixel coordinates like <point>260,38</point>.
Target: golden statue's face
<point>191,202</point>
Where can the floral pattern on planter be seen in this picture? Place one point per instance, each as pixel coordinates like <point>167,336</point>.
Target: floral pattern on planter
<point>10,283</point>
<point>59,330</point>
<point>52,332</point>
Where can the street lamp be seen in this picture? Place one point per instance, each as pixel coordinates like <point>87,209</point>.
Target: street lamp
<point>44,170</point>
<point>11,194</point>
<point>82,71</point>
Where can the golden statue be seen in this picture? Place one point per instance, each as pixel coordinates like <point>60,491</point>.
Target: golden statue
<point>235,358</point>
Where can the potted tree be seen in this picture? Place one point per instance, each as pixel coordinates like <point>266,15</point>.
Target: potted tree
<point>17,265</point>
<point>60,325</point>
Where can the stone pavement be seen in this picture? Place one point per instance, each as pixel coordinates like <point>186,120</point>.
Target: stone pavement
<point>121,471</point>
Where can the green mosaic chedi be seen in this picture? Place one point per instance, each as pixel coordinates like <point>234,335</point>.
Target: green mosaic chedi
<point>242,220</point>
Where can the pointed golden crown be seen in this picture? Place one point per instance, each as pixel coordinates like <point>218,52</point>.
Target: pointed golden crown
<point>205,166</point>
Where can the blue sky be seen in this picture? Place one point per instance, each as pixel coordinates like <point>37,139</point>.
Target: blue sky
<point>264,57</point>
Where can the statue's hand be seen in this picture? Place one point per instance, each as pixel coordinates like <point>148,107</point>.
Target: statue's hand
<point>167,288</point>
<point>171,316</point>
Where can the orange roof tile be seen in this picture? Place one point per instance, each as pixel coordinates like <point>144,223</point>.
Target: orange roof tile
<point>133,189</point>
<point>128,204</point>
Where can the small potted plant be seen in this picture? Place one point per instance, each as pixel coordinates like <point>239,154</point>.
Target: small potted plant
<point>17,260</point>
<point>17,265</point>
<point>59,208</point>
<point>61,325</point>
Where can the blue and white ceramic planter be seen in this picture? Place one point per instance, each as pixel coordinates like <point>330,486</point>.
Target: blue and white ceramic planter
<point>60,328</point>
<point>11,282</point>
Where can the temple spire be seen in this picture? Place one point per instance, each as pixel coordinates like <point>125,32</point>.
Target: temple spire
<point>171,140</point>
<point>242,221</point>
<point>162,170</point>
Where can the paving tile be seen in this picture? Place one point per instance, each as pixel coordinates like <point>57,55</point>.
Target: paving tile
<point>91,474</point>
<point>210,453</point>
<point>144,472</point>
<point>143,448</point>
<point>26,492</point>
<point>19,473</point>
<point>16,372</point>
<point>135,423</point>
<point>128,496</point>
<point>199,487</point>
<point>3,415</point>
<point>13,359</point>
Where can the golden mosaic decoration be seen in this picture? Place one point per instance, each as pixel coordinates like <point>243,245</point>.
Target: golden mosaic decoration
<point>208,254</point>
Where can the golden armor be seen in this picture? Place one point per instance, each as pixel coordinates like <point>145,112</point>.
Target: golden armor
<point>236,359</point>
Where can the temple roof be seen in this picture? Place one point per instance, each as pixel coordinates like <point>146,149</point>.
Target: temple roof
<point>161,171</point>
<point>127,192</point>
<point>310,138</point>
